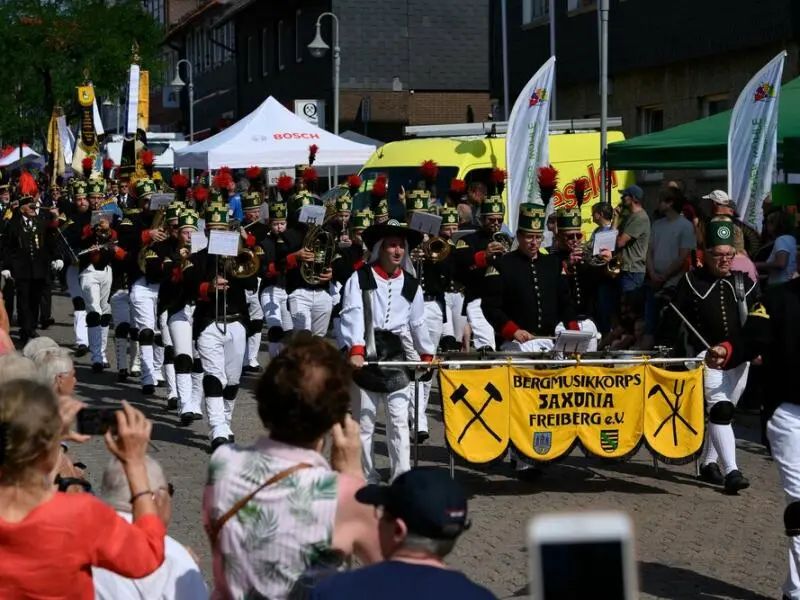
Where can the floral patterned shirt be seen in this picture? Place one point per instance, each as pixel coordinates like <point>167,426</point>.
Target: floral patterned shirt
<point>283,532</point>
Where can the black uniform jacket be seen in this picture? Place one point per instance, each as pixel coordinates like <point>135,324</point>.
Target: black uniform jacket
<point>211,304</point>
<point>520,293</point>
<point>471,261</point>
<point>28,251</point>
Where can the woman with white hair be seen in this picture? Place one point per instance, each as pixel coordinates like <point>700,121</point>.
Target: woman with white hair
<point>57,369</point>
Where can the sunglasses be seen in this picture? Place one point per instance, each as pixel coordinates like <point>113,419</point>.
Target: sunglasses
<point>721,256</point>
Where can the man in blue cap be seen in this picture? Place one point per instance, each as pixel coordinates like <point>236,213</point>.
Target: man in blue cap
<point>422,514</point>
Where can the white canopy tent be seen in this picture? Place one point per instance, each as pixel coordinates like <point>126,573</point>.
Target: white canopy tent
<point>271,136</point>
<point>12,157</point>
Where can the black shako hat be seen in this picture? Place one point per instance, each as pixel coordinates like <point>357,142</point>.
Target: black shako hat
<point>375,233</point>
<point>427,499</point>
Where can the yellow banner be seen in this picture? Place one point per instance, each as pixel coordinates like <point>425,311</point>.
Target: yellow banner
<point>144,100</point>
<point>544,414</point>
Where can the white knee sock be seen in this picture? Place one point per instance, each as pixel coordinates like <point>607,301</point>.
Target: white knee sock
<point>96,343</point>
<point>709,453</point>
<point>725,444</point>
<point>121,346</point>
<point>104,349</point>
<point>253,346</point>
<point>79,327</point>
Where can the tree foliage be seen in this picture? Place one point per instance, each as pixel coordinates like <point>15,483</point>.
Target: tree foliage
<point>47,45</point>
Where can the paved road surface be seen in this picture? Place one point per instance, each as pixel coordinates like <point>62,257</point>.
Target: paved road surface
<point>693,542</point>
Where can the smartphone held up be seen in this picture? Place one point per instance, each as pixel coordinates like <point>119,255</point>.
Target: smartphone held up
<point>96,420</point>
<point>582,555</point>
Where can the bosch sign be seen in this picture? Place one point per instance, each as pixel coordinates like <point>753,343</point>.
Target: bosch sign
<point>296,136</point>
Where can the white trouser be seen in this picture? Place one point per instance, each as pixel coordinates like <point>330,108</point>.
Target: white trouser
<point>121,315</point>
<point>783,433</point>
<point>456,322</point>
<point>180,331</point>
<point>365,409</point>
<point>169,356</point>
<point>96,289</point>
<point>75,292</point>
<point>222,355</point>
<point>254,340</point>
<point>482,332</point>
<point>433,319</point>
<point>144,298</point>
<point>276,314</point>
<point>310,310</point>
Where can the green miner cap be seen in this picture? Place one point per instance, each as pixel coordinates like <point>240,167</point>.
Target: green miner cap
<point>344,204</point>
<point>531,218</point>
<point>174,210</point>
<point>78,188</point>
<point>214,196</point>
<point>145,188</point>
<point>251,200</point>
<point>418,201</point>
<point>493,207</point>
<point>217,216</point>
<point>449,216</point>
<point>277,211</point>
<point>361,219</point>
<point>719,233</point>
<point>568,219</point>
<point>301,199</point>
<point>96,186</point>
<point>188,219</point>
<point>382,209</point>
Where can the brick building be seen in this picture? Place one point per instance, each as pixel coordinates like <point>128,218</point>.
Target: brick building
<point>669,62</point>
<point>413,62</point>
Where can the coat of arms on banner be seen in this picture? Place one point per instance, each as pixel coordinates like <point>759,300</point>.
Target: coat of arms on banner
<point>542,440</point>
<point>609,439</point>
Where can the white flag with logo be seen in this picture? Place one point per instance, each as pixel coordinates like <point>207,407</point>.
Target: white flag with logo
<point>527,145</point>
<point>753,142</point>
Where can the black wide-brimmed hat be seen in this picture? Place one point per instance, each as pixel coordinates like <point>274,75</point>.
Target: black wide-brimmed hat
<point>375,233</point>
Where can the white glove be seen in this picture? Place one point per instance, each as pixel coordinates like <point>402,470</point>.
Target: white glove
<point>6,274</point>
<point>57,265</point>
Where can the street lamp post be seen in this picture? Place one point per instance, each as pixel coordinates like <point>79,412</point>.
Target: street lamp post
<point>318,48</point>
<point>178,84</point>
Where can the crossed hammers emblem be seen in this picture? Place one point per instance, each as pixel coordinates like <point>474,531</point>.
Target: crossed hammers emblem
<point>675,416</point>
<point>493,395</point>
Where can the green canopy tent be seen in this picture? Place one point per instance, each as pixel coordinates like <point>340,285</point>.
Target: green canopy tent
<point>702,144</point>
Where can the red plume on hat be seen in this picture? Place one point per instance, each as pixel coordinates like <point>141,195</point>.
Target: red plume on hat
<point>548,181</point>
<point>108,164</point>
<point>580,185</point>
<point>429,170</point>
<point>179,181</point>
<point>87,164</point>
<point>253,173</point>
<point>148,160</point>
<point>498,182</point>
<point>200,194</point>
<point>379,188</point>
<point>27,185</point>
<point>457,189</point>
<point>312,153</point>
<point>285,183</point>
<point>353,184</point>
<point>222,181</point>
<point>310,175</point>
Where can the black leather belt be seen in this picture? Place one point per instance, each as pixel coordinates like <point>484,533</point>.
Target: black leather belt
<point>228,319</point>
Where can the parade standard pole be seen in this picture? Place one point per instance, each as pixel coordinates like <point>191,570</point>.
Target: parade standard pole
<point>603,98</point>
<point>504,31</point>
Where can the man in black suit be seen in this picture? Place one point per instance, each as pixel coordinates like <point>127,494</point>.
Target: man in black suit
<point>28,251</point>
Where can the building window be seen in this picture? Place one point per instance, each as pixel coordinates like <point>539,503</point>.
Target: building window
<point>651,119</point>
<point>264,52</point>
<point>198,51</point>
<point>298,46</point>
<point>229,40</point>
<point>189,43</point>
<point>279,46</point>
<point>580,5</point>
<point>716,103</point>
<point>251,55</point>
<point>535,11</point>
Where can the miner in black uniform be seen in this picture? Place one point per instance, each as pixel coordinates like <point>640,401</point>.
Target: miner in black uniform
<point>78,217</point>
<point>473,254</point>
<point>771,337</point>
<point>582,278</point>
<point>716,301</point>
<point>527,296</point>
<point>272,291</point>
<point>253,232</point>
<point>220,321</point>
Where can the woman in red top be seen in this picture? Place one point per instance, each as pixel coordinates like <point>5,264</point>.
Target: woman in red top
<point>48,539</point>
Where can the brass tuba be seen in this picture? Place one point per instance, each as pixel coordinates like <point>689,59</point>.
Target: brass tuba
<point>322,243</point>
<point>243,265</point>
<point>158,223</point>
<point>609,268</point>
<point>436,249</point>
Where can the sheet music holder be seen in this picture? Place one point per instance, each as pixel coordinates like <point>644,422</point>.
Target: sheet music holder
<point>573,342</point>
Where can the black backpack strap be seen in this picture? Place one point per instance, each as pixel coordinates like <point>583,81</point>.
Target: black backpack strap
<point>410,287</point>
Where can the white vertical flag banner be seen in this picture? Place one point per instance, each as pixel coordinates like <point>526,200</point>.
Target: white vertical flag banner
<point>67,139</point>
<point>527,144</point>
<point>753,142</point>
<point>98,121</point>
<point>132,121</point>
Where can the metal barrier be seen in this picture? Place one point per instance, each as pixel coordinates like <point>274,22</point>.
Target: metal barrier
<point>513,358</point>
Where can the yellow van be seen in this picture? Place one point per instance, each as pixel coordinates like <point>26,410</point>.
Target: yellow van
<point>473,159</point>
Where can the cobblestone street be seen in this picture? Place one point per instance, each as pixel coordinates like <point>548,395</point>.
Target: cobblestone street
<point>693,541</point>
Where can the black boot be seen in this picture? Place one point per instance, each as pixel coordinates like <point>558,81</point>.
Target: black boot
<point>735,481</point>
<point>710,473</point>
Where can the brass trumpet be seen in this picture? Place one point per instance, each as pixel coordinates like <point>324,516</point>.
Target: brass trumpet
<point>436,249</point>
<point>504,240</point>
<point>609,268</point>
